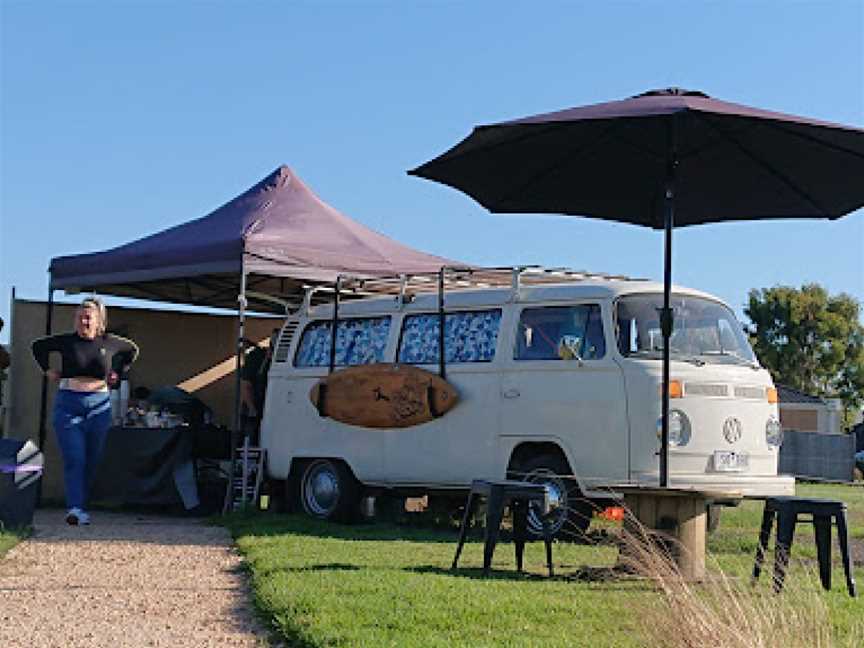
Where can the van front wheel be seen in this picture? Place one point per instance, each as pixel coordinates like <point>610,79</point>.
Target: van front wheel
<point>571,513</point>
<point>328,491</point>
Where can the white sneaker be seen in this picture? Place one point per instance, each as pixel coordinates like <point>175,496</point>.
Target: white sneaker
<point>76,516</point>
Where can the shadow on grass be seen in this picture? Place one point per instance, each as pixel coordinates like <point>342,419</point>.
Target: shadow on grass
<point>476,573</point>
<point>270,524</point>
<point>612,578</point>
<point>324,567</point>
<point>273,524</point>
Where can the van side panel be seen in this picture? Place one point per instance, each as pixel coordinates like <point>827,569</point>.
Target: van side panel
<point>294,429</point>
<point>458,447</point>
<point>577,404</point>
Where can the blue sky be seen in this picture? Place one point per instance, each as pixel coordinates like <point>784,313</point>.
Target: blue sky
<point>118,119</point>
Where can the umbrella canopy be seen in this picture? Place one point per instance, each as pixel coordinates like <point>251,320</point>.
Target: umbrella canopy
<point>278,232</point>
<point>612,161</point>
<point>661,159</point>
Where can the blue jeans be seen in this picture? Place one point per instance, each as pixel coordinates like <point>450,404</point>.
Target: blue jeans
<point>81,422</point>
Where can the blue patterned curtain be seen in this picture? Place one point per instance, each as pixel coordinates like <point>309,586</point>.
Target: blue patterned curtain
<point>358,342</point>
<point>468,337</point>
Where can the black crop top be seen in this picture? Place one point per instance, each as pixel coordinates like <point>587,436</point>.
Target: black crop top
<point>83,358</point>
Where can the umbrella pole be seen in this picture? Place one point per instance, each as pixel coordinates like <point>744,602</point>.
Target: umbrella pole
<point>666,317</point>
<point>666,324</point>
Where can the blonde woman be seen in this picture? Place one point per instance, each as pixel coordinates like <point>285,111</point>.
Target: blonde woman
<point>90,358</point>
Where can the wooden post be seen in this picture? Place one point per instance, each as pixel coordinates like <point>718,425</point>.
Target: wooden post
<point>679,517</point>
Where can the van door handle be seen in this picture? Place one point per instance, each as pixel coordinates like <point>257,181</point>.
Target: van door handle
<point>511,393</point>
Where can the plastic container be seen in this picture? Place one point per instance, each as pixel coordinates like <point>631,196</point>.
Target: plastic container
<point>21,466</point>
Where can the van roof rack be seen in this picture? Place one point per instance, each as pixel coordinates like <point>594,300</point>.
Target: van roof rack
<point>464,277</point>
<point>406,286</point>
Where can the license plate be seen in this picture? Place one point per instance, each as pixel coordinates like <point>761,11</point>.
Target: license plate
<point>727,461</point>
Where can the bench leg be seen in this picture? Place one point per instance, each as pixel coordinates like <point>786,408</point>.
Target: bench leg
<point>494,513</point>
<point>547,540</point>
<point>520,529</point>
<point>463,530</point>
<point>822,527</point>
<point>782,548</point>
<point>764,535</point>
<point>843,537</point>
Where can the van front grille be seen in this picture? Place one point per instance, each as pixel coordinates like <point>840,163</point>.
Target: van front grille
<point>754,393</point>
<point>283,346</point>
<point>706,389</point>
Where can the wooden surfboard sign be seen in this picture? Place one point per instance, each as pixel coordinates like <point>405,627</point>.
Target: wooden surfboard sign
<point>384,395</point>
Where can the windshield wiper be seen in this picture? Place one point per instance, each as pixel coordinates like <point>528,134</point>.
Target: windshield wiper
<point>730,354</point>
<point>676,355</point>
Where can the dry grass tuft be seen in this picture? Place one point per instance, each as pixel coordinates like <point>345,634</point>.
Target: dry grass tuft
<point>724,612</point>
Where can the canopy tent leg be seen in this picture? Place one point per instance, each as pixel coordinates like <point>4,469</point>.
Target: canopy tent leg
<point>238,406</point>
<point>43,400</point>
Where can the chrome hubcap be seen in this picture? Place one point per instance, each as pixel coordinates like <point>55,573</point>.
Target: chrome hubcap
<point>557,492</point>
<point>321,489</point>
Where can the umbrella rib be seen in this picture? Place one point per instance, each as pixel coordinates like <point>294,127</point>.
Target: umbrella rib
<point>816,140</point>
<point>452,155</point>
<point>767,167</point>
<point>554,165</point>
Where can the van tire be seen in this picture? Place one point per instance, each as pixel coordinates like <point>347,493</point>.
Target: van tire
<point>329,491</point>
<point>573,518</point>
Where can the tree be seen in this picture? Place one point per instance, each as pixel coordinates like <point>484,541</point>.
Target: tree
<point>810,340</point>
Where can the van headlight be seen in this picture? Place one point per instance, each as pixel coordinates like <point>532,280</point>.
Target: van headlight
<point>773,432</point>
<point>679,428</point>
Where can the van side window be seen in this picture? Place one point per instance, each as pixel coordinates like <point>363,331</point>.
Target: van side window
<point>560,333</point>
<point>468,337</point>
<point>358,342</point>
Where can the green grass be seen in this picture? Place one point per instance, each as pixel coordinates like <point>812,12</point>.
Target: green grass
<point>733,546</point>
<point>9,539</point>
<point>321,584</point>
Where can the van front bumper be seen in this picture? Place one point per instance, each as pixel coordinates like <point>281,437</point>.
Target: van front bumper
<point>753,486</point>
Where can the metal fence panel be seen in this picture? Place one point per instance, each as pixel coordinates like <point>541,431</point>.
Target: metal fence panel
<point>818,456</point>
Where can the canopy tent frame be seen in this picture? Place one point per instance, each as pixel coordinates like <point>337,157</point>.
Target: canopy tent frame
<point>269,250</point>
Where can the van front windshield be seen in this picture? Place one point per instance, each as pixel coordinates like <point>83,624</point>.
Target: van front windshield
<point>703,331</point>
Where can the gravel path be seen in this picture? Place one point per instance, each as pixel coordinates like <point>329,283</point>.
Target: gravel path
<point>125,581</point>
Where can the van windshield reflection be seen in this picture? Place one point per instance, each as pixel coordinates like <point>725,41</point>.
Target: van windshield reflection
<point>703,331</point>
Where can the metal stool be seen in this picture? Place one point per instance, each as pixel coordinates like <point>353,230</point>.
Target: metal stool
<point>787,510</point>
<point>498,494</point>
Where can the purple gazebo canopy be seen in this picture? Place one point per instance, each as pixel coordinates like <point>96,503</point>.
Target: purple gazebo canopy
<point>279,232</point>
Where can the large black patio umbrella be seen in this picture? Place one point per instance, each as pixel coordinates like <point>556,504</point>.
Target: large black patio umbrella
<point>662,159</point>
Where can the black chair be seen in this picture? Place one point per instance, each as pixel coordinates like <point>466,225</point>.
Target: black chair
<point>498,494</point>
<point>824,513</point>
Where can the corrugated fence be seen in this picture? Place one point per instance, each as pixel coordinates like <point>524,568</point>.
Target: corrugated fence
<point>818,456</point>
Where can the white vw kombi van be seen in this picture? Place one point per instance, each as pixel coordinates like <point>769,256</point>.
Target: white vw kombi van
<point>558,376</point>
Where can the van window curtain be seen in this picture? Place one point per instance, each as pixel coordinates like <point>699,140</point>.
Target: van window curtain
<point>468,337</point>
<point>358,342</point>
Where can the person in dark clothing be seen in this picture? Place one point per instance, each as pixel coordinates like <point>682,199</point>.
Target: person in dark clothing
<point>253,383</point>
<point>858,432</point>
<point>91,361</point>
